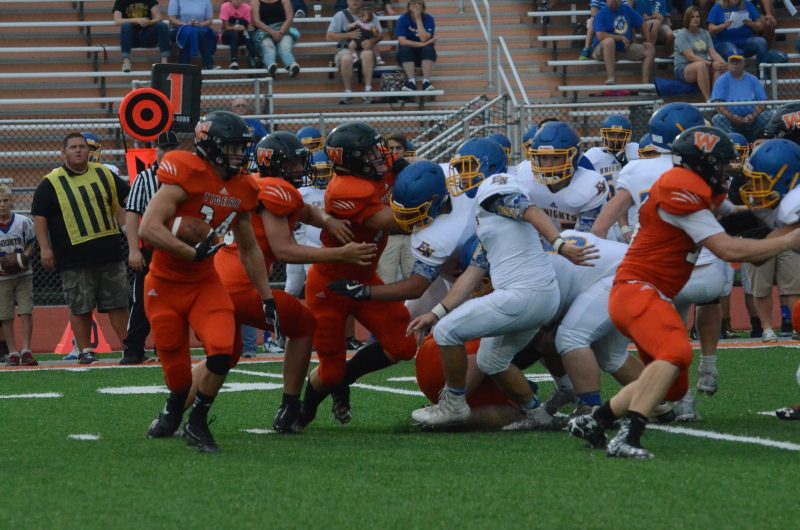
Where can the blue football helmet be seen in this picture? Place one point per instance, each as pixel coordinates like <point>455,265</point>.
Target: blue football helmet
<point>616,133</point>
<point>475,160</point>
<point>772,171</point>
<point>527,140</point>
<point>670,120</point>
<point>646,148</point>
<point>419,195</point>
<point>504,142</point>
<point>741,145</point>
<point>312,138</point>
<point>411,151</point>
<point>323,170</point>
<point>95,147</point>
<point>555,138</point>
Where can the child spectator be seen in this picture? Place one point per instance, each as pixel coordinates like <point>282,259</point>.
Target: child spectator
<point>16,237</point>
<point>657,24</point>
<point>368,28</point>
<point>237,23</point>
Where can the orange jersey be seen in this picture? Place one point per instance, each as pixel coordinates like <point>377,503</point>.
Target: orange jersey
<point>662,254</point>
<point>209,198</point>
<point>356,200</point>
<point>282,200</point>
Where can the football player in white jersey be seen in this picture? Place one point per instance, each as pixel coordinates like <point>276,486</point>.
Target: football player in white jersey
<point>314,194</point>
<point>439,213</point>
<point>772,191</point>
<point>525,297</point>
<point>558,183</point>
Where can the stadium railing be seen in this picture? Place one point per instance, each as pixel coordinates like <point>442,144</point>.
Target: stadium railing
<point>545,15</point>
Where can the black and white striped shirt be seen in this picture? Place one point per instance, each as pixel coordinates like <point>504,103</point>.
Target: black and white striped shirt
<point>145,185</point>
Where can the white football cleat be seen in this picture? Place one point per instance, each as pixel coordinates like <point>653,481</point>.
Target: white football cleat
<point>707,382</point>
<point>686,409</point>
<point>537,419</point>
<point>449,410</point>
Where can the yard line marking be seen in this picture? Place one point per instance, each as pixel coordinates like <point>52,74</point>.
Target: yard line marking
<point>84,437</point>
<point>402,379</point>
<point>161,389</point>
<point>258,431</point>
<point>388,389</point>
<point>257,374</point>
<point>728,437</point>
<point>33,396</point>
<point>115,366</point>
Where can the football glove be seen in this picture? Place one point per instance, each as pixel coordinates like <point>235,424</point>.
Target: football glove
<point>271,318</point>
<point>207,247</point>
<point>355,290</point>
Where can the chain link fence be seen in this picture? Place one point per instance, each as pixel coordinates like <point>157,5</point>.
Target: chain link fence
<point>781,81</point>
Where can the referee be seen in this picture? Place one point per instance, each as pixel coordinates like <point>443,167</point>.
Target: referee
<point>144,187</point>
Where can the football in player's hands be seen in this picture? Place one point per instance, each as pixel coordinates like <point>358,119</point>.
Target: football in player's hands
<point>190,230</point>
<point>13,263</point>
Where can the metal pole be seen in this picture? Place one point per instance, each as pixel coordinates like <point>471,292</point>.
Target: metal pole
<point>773,75</point>
<point>489,38</point>
<point>461,7</point>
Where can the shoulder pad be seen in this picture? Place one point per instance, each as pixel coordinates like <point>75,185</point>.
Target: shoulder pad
<point>499,184</point>
<point>278,196</point>
<point>681,192</point>
<point>789,208</point>
<point>347,196</point>
<point>587,188</point>
<point>178,167</point>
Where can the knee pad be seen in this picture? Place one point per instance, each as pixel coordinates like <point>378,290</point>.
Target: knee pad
<point>331,370</point>
<point>177,376</point>
<point>445,335</point>
<point>568,340</point>
<point>219,364</point>
<point>491,364</point>
<point>611,364</point>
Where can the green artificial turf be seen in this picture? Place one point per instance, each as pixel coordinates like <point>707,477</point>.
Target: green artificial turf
<point>381,472</point>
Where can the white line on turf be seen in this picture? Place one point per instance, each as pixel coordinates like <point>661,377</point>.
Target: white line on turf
<point>258,374</point>
<point>33,396</point>
<point>388,389</point>
<point>727,437</point>
<point>84,437</point>
<point>258,431</point>
<point>161,389</point>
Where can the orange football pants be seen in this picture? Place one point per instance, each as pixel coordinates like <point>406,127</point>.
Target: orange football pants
<point>796,317</point>
<point>430,376</point>
<point>658,331</point>
<point>173,308</point>
<point>387,321</point>
<point>295,319</point>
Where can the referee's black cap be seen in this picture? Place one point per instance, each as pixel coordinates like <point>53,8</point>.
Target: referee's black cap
<point>167,139</point>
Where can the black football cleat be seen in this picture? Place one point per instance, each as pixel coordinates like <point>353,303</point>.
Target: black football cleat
<point>341,408</point>
<point>164,426</point>
<point>287,419</point>
<point>199,435</point>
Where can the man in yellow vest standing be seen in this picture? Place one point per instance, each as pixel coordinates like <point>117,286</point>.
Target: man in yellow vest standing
<point>76,213</point>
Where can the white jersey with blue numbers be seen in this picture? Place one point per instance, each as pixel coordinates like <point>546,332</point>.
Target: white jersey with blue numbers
<point>606,164</point>
<point>587,191</point>
<point>513,249</point>
<point>306,234</point>
<point>638,176</point>
<point>787,212</point>
<point>575,279</point>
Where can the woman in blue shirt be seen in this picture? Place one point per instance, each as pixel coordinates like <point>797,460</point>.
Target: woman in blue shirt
<point>191,31</point>
<point>416,39</point>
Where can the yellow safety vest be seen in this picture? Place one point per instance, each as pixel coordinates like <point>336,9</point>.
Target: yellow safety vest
<point>87,202</point>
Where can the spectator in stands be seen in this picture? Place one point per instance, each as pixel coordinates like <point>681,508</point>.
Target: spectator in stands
<point>696,60</point>
<point>738,85</point>
<point>594,7</point>
<point>140,27</point>
<point>341,5</point>
<point>369,27</point>
<point>657,24</point>
<point>191,30</point>
<point>339,30</point>
<point>273,20</point>
<point>733,24</point>
<point>416,44</point>
<point>145,185</point>
<point>242,107</point>
<point>237,24</point>
<point>81,240</point>
<point>16,237</point>
<point>614,28</point>
<point>396,261</point>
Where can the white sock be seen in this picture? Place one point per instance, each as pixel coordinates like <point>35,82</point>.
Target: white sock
<point>708,363</point>
<point>564,383</point>
<point>425,81</point>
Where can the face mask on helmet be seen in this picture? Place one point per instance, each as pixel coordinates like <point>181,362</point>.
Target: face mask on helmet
<point>475,160</point>
<point>282,155</point>
<point>312,138</point>
<point>323,170</point>
<point>771,172</point>
<point>357,149</point>
<point>708,152</point>
<point>95,148</point>
<point>223,139</point>
<point>615,139</point>
<point>554,153</point>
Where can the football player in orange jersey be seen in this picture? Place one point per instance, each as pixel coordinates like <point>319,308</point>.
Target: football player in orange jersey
<point>676,221</point>
<point>357,192</point>
<point>283,162</point>
<point>183,289</point>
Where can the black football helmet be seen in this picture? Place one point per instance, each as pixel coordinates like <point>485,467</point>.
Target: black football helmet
<point>785,123</point>
<point>357,149</point>
<point>708,151</point>
<point>281,154</point>
<point>216,131</point>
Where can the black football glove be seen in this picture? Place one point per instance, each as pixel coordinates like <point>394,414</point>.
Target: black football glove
<point>271,318</point>
<point>355,290</point>
<point>207,247</point>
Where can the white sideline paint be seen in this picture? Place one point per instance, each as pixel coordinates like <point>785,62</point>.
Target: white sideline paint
<point>258,431</point>
<point>84,437</point>
<point>536,378</point>
<point>257,374</point>
<point>388,389</point>
<point>33,396</point>
<point>766,442</point>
